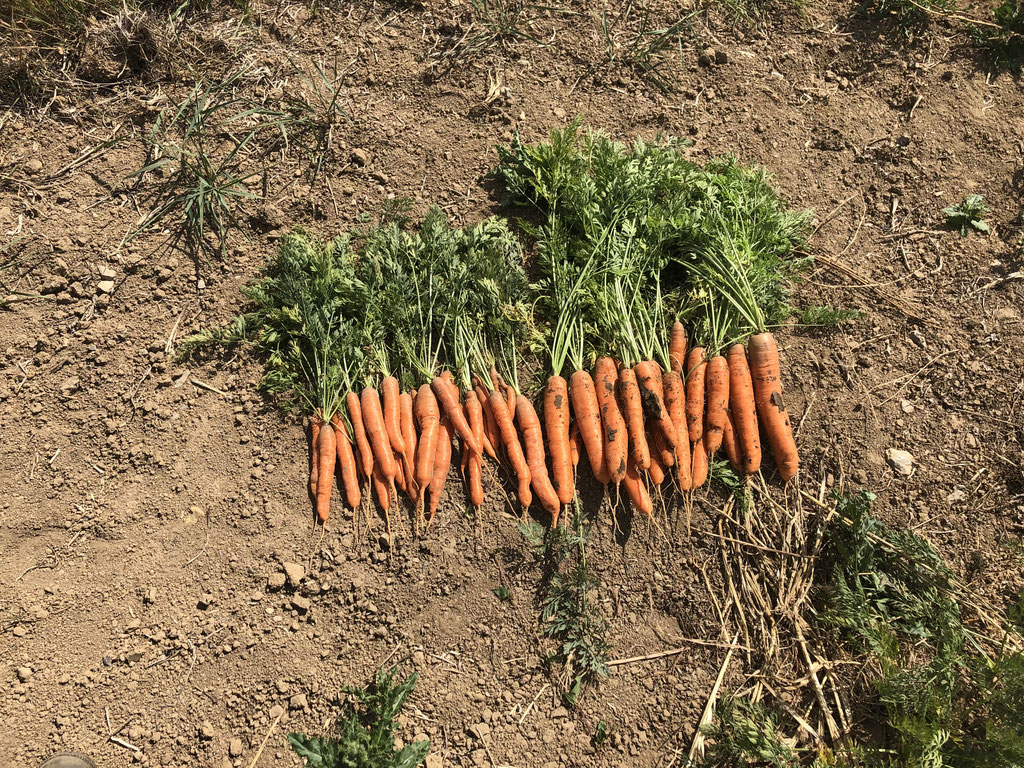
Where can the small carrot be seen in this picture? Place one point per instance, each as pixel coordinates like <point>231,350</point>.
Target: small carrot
<point>428,418</point>
<point>400,474</point>
<point>475,480</point>
<point>651,389</point>
<point>587,410</point>
<point>659,448</point>
<point>474,461</point>
<point>716,393</point>
<point>376,432</point>
<point>695,367</point>
<point>355,415</point>
<point>699,468</point>
<point>675,402</point>
<point>346,463</point>
<point>556,427</point>
<point>407,423</point>
<point>533,441</point>
<point>633,413</point>
<point>657,470</point>
<point>576,446</point>
<point>637,490</point>
<point>389,389</point>
<point>510,400</point>
<point>492,437</point>
<point>326,457</point>
<point>616,445</point>
<point>732,449</point>
<point>764,371</point>
<point>442,461</point>
<point>513,449</point>
<point>314,468</point>
<point>677,346</point>
<point>743,410</point>
<point>448,397</point>
<point>382,487</point>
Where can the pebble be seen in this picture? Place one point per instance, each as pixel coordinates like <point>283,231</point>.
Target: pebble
<point>902,461</point>
<point>276,711</point>
<point>300,603</point>
<point>276,580</point>
<point>298,701</point>
<point>35,165</point>
<point>206,731</point>
<point>294,573</point>
<point>24,674</point>
<point>235,747</point>
<point>360,157</point>
<point>105,286</point>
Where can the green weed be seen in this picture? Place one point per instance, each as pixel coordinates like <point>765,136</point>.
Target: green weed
<point>825,317</point>
<point>909,15</point>
<point>635,40</point>
<point>504,22</point>
<point>746,732</point>
<point>1005,45</point>
<point>968,215</point>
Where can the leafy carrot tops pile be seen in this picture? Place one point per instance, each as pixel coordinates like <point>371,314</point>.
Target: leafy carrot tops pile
<point>648,273</point>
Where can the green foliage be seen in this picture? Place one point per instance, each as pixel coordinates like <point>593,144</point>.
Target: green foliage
<point>502,593</point>
<point>601,734</point>
<point>909,16</point>
<point>744,733</point>
<point>825,317</point>
<point>968,215</point>
<point>1006,44</point>
<point>363,733</point>
<point>634,39</point>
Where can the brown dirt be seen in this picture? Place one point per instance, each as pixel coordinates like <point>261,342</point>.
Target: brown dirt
<point>142,517</point>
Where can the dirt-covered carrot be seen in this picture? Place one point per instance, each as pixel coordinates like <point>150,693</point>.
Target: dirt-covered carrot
<point>428,418</point>
<point>355,415</point>
<point>442,461</point>
<point>699,467</point>
<point>346,463</point>
<point>694,372</point>
<point>327,455</point>
<point>648,379</point>
<point>633,412</point>
<point>377,433</point>
<point>587,410</point>
<point>743,410</point>
<point>407,422</point>
<point>732,450</point>
<point>389,389</point>
<point>575,445</point>
<point>657,470</point>
<point>716,395</point>
<point>556,428</point>
<point>636,489</point>
<point>616,441</point>
<point>767,381</point>
<point>492,437</point>
<point>314,465</point>
<point>675,402</point>
<point>677,347</point>
<point>659,447</point>
<point>533,442</point>
<point>448,397</point>
<point>513,448</point>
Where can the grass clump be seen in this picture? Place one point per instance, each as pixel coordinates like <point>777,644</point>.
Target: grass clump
<point>363,734</point>
<point>637,41</point>
<point>967,215</point>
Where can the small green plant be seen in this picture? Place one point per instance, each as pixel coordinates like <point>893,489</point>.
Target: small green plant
<point>504,22</point>
<point>1004,44</point>
<point>363,733</point>
<point>968,215</point>
<point>601,734</point>
<point>746,732</point>
<point>910,15</point>
<point>825,316</point>
<point>502,593</point>
<point>312,113</point>
<point>641,44</point>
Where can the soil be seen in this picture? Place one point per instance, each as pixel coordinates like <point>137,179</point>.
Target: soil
<point>146,516</point>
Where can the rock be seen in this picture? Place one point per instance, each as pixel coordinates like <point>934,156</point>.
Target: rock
<point>298,701</point>
<point>707,57</point>
<point>294,573</point>
<point>24,674</point>
<point>33,166</point>
<point>560,712</point>
<point>480,730</point>
<point>205,601</point>
<point>359,157</point>
<point>206,732</point>
<point>418,658</point>
<point>902,461</point>
<point>300,603</point>
<point>434,761</point>
<point>276,580</point>
<point>105,286</point>
<point>19,631</point>
<point>107,273</point>
<point>956,496</point>
<point>235,747</point>
<point>70,385</point>
<point>276,711</point>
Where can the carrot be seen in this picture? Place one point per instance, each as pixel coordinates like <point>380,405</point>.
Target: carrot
<point>513,449</point>
<point>675,403</point>
<point>660,449</point>
<point>587,409</point>
<point>637,490</point>
<point>677,346</point>
<point>695,367</point>
<point>474,461</point>
<point>533,441</point>
<point>764,370</point>
<point>744,412</point>
<point>346,463</point>
<point>355,415</point>
<point>376,432</point>
<point>633,412</point>
<point>699,468</point>
<point>716,392</point>
<point>314,469</point>
<point>326,456</point>
<point>442,461</point>
<point>657,470</point>
<point>556,427</point>
<point>400,474</point>
<point>648,379</point>
<point>382,487</point>
<point>428,417</point>
<point>732,449</point>
<point>575,445</point>
<point>389,390</point>
<point>407,423</point>
<point>492,436</point>
<point>448,397</point>
<point>510,400</point>
<point>615,438</point>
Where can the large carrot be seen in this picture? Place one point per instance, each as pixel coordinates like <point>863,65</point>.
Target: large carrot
<point>732,449</point>
<point>694,377</point>
<point>326,456</point>
<point>475,417</point>
<point>677,346</point>
<point>587,409</point>
<point>376,432</point>
<point>355,415</point>
<point>556,427</point>
<point>346,463</point>
<point>716,393</point>
<point>675,402</point>
<point>314,465</point>
<point>389,389</point>
<point>513,449</point>
<point>764,370</point>
<point>633,413</point>
<point>616,444</point>
<point>533,441</point>
<point>492,437</point>
<point>428,418</point>
<point>407,422</point>
<point>743,410</point>
<point>648,379</point>
<point>448,397</point>
<point>637,490</point>
<point>699,468</point>
<point>442,461</point>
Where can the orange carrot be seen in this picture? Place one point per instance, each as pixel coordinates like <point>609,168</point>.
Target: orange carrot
<point>376,432</point>
<point>675,403</point>
<point>428,418</point>
<point>407,423</point>
<point>694,376</point>
<point>448,398</point>
<point>492,437</point>
<point>699,468</point>
<point>575,445</point>
<point>533,441</point>
<point>355,415</point>
<point>716,393</point>
<point>660,448</point>
<point>382,487</point>
<point>314,468</point>
<point>510,400</point>
<point>513,449</point>
<point>615,438</point>
<point>587,409</point>
<point>389,390</point>
<point>346,463</point>
<point>677,346</point>
<point>474,461</point>
<point>657,470</point>
<point>637,490</point>
<point>400,474</point>
<point>732,449</point>
<point>764,370</point>
<point>442,461</point>
<point>327,454</point>
<point>633,413</point>
<point>743,410</point>
<point>651,389</point>
<point>556,427</point>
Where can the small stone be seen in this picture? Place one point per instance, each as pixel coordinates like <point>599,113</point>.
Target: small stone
<point>298,701</point>
<point>276,580</point>
<point>206,731</point>
<point>902,461</point>
<point>560,712</point>
<point>276,711</point>
<point>294,573</point>
<point>105,286</point>
<point>107,273</point>
<point>707,57</point>
<point>33,166</point>
<point>360,157</point>
<point>24,674</point>
<point>19,631</point>
<point>235,747</point>
<point>300,603</point>
<point>956,496</point>
<point>481,730</point>
<point>205,601</point>
<point>418,658</point>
